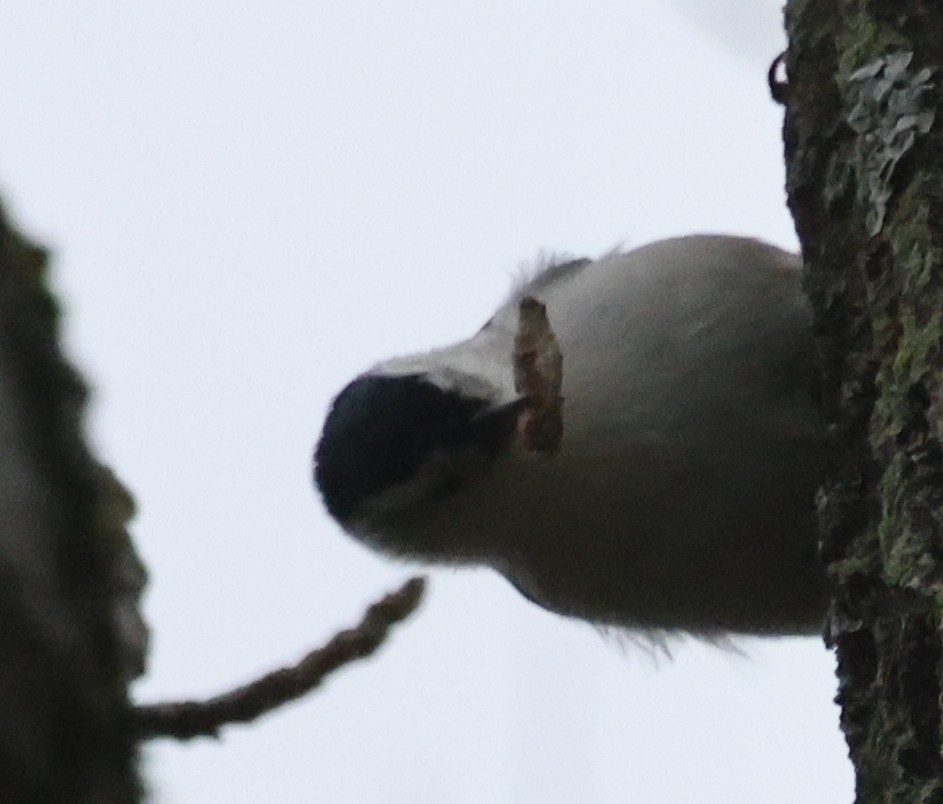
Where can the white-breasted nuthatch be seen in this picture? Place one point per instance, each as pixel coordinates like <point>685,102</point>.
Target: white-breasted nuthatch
<point>681,493</point>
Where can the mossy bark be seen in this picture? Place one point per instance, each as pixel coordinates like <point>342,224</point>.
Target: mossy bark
<point>71,637</point>
<point>864,154</point>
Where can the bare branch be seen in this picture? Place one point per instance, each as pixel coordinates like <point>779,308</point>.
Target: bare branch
<point>184,720</point>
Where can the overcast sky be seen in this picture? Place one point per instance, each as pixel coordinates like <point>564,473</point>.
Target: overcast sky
<point>250,203</point>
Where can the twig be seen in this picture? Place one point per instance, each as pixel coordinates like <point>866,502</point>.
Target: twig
<point>778,80</point>
<point>184,720</point>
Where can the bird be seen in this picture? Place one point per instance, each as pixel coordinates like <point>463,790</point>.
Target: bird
<point>673,490</point>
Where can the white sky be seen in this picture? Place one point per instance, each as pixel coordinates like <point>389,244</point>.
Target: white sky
<point>249,203</point>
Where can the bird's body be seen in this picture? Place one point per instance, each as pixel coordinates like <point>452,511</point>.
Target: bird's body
<point>681,496</point>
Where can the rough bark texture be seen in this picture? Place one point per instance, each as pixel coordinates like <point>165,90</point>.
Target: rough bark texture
<point>70,635</point>
<point>864,151</point>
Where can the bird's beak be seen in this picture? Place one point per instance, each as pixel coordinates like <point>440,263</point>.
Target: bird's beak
<point>497,424</point>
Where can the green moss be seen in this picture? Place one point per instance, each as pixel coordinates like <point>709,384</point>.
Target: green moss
<point>912,241</point>
<point>863,563</point>
<point>902,533</point>
<point>908,327</point>
<point>810,17</point>
<point>862,40</point>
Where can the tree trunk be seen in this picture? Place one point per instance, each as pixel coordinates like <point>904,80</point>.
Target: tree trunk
<point>71,637</point>
<point>864,154</point>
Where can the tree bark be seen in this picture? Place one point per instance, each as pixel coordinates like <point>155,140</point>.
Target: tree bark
<point>71,633</point>
<point>864,157</point>
<point>71,638</point>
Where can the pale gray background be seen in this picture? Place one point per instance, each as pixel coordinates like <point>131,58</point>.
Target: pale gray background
<point>251,202</point>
